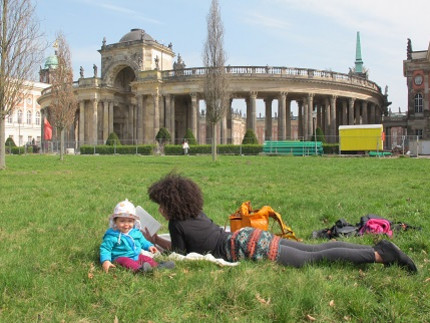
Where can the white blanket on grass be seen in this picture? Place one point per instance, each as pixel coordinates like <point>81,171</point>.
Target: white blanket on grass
<point>197,256</point>
<point>193,256</point>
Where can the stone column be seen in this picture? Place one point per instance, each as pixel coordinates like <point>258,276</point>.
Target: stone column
<point>281,116</point>
<point>94,122</point>
<point>357,113</point>
<point>168,115</point>
<point>327,123</point>
<point>300,117</point>
<point>305,117</point>
<point>223,125</point>
<point>139,119</point>
<point>229,122</point>
<point>172,118</point>
<point>344,112</point>
<point>156,100</point>
<point>365,119</point>
<point>333,131</point>
<point>252,117</point>
<point>105,120</point>
<point>310,116</point>
<point>131,123</point>
<point>351,111</point>
<point>110,117</point>
<point>268,119</point>
<point>319,115</point>
<point>161,109</point>
<point>378,114</point>
<point>289,135</point>
<point>194,114</point>
<point>372,113</point>
<point>81,123</point>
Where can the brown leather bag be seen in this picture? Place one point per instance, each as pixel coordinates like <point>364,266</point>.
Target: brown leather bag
<point>245,216</point>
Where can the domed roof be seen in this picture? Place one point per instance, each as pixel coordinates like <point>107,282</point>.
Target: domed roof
<point>135,34</point>
<point>51,62</point>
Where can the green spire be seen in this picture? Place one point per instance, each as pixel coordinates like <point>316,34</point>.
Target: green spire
<point>358,60</point>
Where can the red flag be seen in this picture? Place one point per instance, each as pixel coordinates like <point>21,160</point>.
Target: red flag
<point>47,129</point>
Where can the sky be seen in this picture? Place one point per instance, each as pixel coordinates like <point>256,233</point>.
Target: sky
<point>317,34</point>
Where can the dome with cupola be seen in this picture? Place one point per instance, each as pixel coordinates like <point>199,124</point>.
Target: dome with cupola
<point>51,62</point>
<point>135,34</point>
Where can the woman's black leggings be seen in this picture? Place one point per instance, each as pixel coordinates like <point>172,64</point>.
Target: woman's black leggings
<point>297,254</point>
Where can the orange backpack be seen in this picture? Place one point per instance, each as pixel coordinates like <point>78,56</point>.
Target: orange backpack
<point>245,216</point>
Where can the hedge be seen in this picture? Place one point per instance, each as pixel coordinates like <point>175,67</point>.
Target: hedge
<point>221,149</point>
<point>122,150</point>
<point>20,150</point>
<point>331,149</point>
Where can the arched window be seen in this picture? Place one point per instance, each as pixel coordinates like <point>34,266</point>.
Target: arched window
<point>418,103</point>
<point>19,116</point>
<point>28,117</point>
<point>38,118</point>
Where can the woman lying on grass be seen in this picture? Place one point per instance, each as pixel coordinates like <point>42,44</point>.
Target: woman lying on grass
<point>180,202</point>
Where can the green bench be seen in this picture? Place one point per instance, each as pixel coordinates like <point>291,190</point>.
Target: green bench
<point>379,153</point>
<point>295,148</point>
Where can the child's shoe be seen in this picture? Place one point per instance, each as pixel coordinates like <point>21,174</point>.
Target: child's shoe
<point>166,265</point>
<point>146,267</point>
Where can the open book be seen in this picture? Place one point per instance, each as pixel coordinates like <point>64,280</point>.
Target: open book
<point>146,220</point>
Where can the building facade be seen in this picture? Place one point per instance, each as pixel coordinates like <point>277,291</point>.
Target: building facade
<point>416,69</point>
<point>24,124</point>
<point>142,88</point>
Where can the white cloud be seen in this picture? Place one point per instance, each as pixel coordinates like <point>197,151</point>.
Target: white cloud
<point>265,21</point>
<point>120,10</point>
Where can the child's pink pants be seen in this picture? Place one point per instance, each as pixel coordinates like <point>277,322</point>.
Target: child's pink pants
<point>135,265</point>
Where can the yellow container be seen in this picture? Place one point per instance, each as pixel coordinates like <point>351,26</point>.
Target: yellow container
<point>361,137</point>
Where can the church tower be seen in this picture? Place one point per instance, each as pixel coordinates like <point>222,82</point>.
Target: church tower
<point>358,69</point>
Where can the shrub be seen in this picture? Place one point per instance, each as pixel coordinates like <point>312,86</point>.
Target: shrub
<point>113,140</point>
<point>9,145</point>
<point>173,150</point>
<point>320,135</point>
<point>189,136</point>
<point>163,136</point>
<point>9,142</point>
<point>249,138</point>
<point>252,149</point>
<point>331,148</point>
<point>20,150</point>
<point>123,149</point>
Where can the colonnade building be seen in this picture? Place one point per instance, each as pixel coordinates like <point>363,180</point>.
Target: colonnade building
<point>144,86</point>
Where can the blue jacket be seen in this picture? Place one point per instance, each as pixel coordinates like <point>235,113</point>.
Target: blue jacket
<point>116,244</point>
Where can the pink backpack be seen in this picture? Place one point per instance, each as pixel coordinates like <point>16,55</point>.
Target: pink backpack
<point>376,226</point>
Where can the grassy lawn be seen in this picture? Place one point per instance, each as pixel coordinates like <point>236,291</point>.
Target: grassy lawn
<point>53,215</point>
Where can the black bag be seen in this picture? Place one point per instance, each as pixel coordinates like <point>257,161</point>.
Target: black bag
<point>341,229</point>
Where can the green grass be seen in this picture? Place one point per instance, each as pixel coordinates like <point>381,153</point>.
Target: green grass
<point>53,215</point>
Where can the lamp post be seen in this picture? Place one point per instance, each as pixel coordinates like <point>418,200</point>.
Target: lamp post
<point>314,118</point>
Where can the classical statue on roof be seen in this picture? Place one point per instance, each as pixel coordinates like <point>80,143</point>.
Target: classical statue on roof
<point>179,64</point>
<point>409,49</point>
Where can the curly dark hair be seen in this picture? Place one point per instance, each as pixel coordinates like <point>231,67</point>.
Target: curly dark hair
<point>180,197</point>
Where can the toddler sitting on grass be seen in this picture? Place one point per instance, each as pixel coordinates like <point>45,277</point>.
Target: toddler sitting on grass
<point>123,242</point>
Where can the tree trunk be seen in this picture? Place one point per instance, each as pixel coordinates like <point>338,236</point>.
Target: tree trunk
<point>2,144</point>
<point>214,139</point>
<point>62,144</point>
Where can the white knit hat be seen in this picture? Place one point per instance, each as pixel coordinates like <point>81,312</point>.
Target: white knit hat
<point>124,209</point>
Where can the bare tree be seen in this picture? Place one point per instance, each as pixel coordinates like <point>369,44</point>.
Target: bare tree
<point>62,109</point>
<point>215,86</point>
<point>21,49</point>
